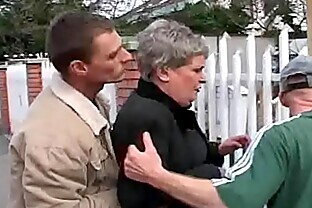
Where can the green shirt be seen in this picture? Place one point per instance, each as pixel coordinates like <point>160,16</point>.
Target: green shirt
<point>276,169</point>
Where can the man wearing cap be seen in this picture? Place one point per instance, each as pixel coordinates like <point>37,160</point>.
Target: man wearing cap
<point>274,171</point>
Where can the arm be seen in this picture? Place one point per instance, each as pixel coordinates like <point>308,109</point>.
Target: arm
<point>228,146</point>
<point>247,181</point>
<point>251,189</point>
<point>195,192</point>
<point>52,177</point>
<point>146,167</point>
<point>207,171</point>
<point>246,186</point>
<point>128,130</point>
<point>214,156</point>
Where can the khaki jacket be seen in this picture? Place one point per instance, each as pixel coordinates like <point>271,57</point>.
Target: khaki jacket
<point>62,155</point>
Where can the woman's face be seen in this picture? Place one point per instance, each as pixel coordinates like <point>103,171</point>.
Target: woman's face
<point>184,82</point>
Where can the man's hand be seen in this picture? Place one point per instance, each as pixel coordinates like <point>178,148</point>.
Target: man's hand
<point>234,143</point>
<point>143,166</point>
<point>146,167</point>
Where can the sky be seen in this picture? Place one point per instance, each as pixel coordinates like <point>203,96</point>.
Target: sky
<point>124,7</point>
<point>137,3</point>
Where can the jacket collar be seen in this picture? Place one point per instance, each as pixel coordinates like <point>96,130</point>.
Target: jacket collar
<point>152,91</point>
<point>184,117</point>
<point>85,109</point>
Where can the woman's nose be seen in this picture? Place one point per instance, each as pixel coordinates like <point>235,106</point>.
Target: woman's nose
<point>202,78</point>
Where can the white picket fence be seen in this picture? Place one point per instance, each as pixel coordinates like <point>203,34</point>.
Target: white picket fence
<point>233,109</point>
<point>227,105</point>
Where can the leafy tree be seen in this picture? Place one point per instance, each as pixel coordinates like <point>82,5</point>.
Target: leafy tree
<point>23,23</point>
<point>113,8</point>
<point>201,19</point>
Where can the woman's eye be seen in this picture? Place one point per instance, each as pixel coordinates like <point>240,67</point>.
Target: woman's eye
<point>198,70</point>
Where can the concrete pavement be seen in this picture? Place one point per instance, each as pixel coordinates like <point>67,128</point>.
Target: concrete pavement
<point>4,171</point>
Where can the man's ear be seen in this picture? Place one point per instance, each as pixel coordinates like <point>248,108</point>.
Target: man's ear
<point>283,99</point>
<point>163,74</point>
<point>78,68</point>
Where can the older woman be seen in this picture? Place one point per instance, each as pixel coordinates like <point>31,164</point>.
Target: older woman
<point>171,60</point>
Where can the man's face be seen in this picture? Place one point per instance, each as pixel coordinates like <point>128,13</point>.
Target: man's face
<point>108,59</point>
<point>185,82</point>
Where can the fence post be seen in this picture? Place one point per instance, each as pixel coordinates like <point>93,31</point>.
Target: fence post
<point>283,61</point>
<point>236,123</point>
<point>17,94</point>
<point>47,71</point>
<point>224,102</point>
<point>267,86</point>
<point>212,105</point>
<point>201,112</point>
<point>251,66</point>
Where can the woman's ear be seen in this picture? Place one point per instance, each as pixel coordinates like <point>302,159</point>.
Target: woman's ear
<point>163,74</point>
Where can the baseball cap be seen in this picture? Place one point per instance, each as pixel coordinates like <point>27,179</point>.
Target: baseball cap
<point>297,74</point>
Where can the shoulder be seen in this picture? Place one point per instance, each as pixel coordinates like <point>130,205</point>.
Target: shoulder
<point>282,128</point>
<point>138,108</point>
<point>138,115</point>
<point>32,139</point>
<point>51,123</point>
<point>277,135</point>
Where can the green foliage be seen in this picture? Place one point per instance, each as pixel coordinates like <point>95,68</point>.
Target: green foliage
<point>200,18</point>
<point>23,23</point>
<point>125,28</point>
<point>214,20</point>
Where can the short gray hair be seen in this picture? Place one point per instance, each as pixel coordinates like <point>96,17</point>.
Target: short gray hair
<point>167,44</point>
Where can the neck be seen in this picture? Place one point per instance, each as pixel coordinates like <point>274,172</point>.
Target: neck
<point>170,92</point>
<point>89,90</point>
<point>161,86</point>
<point>300,106</point>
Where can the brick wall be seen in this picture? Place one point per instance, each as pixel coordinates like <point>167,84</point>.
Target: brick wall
<point>129,83</point>
<point>5,116</point>
<point>34,80</point>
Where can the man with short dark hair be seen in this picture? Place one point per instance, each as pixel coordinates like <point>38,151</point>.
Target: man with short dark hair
<point>275,170</point>
<point>62,156</point>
